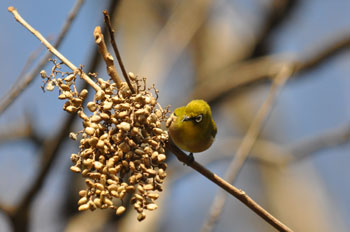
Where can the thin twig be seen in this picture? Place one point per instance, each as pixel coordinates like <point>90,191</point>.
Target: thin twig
<point>53,50</point>
<point>247,144</point>
<point>116,51</point>
<point>239,194</point>
<point>108,58</point>
<point>19,86</point>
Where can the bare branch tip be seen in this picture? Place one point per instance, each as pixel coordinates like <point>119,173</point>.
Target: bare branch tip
<point>11,9</point>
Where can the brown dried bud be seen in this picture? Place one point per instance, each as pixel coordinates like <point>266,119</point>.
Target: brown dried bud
<point>92,106</point>
<point>152,206</point>
<point>83,93</point>
<point>120,210</point>
<point>75,169</point>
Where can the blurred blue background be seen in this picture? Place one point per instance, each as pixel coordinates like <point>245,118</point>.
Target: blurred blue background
<point>315,190</point>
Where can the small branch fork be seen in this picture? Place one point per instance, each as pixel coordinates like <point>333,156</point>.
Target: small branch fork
<point>239,194</point>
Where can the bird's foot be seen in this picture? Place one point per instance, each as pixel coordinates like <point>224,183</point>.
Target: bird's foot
<point>191,158</point>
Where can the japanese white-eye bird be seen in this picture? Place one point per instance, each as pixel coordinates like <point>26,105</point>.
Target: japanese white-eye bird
<point>192,127</point>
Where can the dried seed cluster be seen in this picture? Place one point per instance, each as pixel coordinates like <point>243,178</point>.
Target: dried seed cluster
<point>122,143</point>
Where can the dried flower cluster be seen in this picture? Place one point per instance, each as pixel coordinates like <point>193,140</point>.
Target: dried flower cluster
<point>122,143</point>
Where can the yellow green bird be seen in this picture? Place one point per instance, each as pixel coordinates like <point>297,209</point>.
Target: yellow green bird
<point>192,127</point>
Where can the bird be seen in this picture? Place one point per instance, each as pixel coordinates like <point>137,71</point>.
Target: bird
<point>192,127</point>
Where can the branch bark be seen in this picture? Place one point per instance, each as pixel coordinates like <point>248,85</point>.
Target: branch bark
<point>53,50</point>
<point>108,58</point>
<point>239,194</point>
<point>21,85</point>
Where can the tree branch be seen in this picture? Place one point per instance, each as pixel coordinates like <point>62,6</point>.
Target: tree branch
<point>239,194</point>
<point>247,143</point>
<point>108,58</point>
<point>20,86</point>
<point>53,50</point>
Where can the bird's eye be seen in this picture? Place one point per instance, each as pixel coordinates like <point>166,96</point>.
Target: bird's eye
<point>174,114</point>
<point>198,118</point>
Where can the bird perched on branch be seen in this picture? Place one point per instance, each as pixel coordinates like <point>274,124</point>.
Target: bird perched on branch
<point>192,127</point>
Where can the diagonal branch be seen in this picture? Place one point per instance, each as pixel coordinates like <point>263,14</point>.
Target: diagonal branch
<point>53,50</point>
<point>247,143</point>
<point>21,85</point>
<point>239,194</point>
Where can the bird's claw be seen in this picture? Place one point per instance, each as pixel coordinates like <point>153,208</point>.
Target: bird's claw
<point>190,159</point>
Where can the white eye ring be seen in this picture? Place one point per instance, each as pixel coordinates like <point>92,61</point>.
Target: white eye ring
<point>198,118</point>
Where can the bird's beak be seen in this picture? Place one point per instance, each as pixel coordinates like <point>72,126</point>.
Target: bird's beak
<point>186,118</point>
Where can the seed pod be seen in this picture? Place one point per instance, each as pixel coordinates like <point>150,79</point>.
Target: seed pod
<point>98,165</point>
<point>139,151</point>
<point>65,87</point>
<point>108,202</point>
<point>148,187</point>
<point>95,118</point>
<point>141,216</point>
<point>122,114</point>
<point>84,207</point>
<point>82,115</point>
<point>162,174</point>
<point>124,126</point>
<point>104,116</point>
<point>161,158</point>
<point>98,202</point>
<point>100,144</point>
<point>43,74</point>
<point>71,109</point>
<point>152,206</point>
<point>82,200</point>
<point>91,106</point>
<point>90,131</point>
<point>124,147</point>
<point>157,131</point>
<point>73,136</point>
<point>93,141</point>
<point>151,172</point>
<point>82,193</point>
<point>99,95</point>
<point>120,210</point>
<point>99,186</point>
<point>130,189</point>
<point>88,163</point>
<point>83,93</point>
<point>77,101</point>
<point>94,175</point>
<point>107,105</point>
<point>75,169</point>
<point>74,157</point>
<point>50,86</point>
<point>153,195</point>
